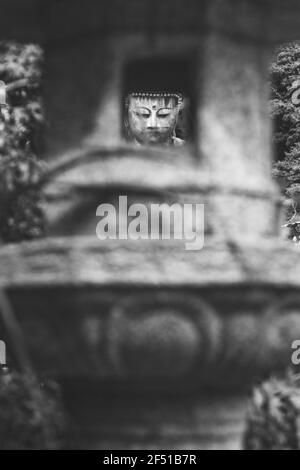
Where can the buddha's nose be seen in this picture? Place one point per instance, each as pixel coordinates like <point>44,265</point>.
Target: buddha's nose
<point>152,121</point>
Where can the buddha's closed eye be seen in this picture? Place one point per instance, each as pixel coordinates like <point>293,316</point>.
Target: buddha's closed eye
<point>142,112</point>
<point>164,112</point>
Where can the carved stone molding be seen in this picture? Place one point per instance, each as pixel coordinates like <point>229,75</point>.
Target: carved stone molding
<point>162,335</point>
<point>208,337</point>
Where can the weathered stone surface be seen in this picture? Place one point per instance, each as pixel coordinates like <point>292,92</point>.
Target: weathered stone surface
<point>151,421</point>
<point>233,111</point>
<point>75,260</point>
<point>218,335</point>
<point>46,21</point>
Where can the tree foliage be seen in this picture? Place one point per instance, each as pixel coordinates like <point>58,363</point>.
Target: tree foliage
<point>272,421</point>
<point>31,414</point>
<point>285,111</point>
<point>21,216</point>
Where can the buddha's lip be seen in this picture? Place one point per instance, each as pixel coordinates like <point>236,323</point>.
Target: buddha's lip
<point>156,131</point>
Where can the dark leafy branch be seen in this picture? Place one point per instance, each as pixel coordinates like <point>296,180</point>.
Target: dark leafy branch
<point>21,120</point>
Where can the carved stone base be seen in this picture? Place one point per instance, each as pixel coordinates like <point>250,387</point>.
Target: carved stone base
<point>149,355</point>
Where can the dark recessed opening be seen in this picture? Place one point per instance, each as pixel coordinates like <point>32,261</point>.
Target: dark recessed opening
<point>164,74</point>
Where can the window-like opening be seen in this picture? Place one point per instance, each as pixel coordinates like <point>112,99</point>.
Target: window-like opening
<point>158,102</point>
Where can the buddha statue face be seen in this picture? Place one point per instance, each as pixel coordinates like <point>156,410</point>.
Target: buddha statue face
<point>152,117</point>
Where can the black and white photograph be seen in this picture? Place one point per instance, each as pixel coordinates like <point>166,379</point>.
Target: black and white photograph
<point>149,228</point>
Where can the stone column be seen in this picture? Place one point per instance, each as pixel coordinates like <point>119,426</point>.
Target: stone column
<point>234,126</point>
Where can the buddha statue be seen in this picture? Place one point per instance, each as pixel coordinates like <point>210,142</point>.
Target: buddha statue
<point>151,118</point>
